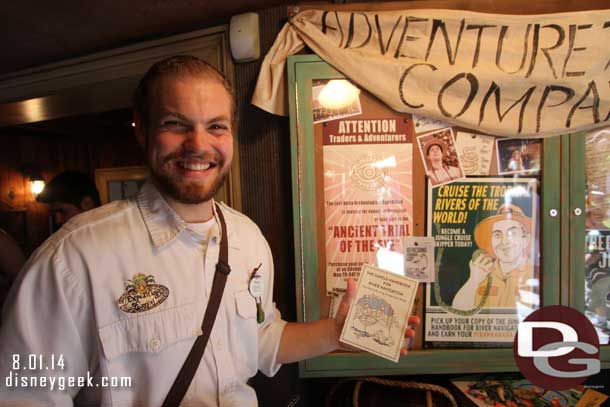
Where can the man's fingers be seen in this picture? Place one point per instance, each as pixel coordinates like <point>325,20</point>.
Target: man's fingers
<point>413,320</point>
<point>481,260</point>
<point>351,287</point>
<point>346,300</point>
<point>489,261</point>
<point>484,260</point>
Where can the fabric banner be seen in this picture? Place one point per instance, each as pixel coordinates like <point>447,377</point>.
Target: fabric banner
<point>506,75</point>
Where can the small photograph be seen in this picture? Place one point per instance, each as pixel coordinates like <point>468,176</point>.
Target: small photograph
<point>440,157</point>
<point>423,124</point>
<point>419,258</point>
<point>519,156</point>
<point>417,262</point>
<point>334,99</point>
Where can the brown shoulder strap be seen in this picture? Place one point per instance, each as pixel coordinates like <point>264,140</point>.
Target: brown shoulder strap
<point>185,377</point>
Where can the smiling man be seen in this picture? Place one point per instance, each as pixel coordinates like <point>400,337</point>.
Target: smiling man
<point>504,242</point>
<point>121,291</point>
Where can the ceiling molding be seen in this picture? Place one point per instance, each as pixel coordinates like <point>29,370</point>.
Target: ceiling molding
<point>110,65</point>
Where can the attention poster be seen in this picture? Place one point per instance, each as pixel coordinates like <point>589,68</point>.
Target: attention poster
<point>367,196</point>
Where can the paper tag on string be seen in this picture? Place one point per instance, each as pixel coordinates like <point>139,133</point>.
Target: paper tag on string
<point>419,258</point>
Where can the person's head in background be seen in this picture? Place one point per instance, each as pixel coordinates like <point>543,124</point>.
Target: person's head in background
<point>68,194</point>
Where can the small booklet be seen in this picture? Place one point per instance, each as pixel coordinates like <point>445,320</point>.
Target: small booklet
<point>377,318</point>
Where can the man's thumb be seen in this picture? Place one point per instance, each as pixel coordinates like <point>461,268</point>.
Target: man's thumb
<point>346,300</point>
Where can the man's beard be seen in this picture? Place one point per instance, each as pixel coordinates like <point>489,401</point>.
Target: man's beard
<point>182,190</point>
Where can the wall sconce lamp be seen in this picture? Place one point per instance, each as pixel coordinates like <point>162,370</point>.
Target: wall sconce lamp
<point>36,181</point>
<point>36,186</point>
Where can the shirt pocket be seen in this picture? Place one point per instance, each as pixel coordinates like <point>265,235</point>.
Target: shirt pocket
<point>245,304</point>
<point>151,332</point>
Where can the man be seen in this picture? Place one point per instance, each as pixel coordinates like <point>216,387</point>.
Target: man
<point>163,244</point>
<point>504,242</point>
<point>438,171</point>
<point>68,194</point>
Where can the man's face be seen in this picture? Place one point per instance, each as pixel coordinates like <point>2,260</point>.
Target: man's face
<point>62,212</point>
<point>190,141</point>
<point>509,240</point>
<point>435,153</point>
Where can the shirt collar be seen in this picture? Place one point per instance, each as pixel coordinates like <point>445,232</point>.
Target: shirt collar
<point>162,222</point>
<point>525,267</point>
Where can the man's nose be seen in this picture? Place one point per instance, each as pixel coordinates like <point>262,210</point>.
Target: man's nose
<point>198,139</point>
<point>507,239</point>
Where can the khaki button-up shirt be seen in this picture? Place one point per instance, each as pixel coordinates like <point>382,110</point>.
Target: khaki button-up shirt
<point>65,303</point>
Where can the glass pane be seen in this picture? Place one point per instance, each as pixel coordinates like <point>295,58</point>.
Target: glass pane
<point>382,176</point>
<point>597,254</point>
<point>363,176</point>
<point>487,253</point>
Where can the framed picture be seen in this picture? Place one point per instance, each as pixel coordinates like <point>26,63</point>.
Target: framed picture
<point>120,182</point>
<point>519,156</point>
<point>440,157</point>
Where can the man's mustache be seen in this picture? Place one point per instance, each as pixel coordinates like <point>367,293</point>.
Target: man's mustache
<point>186,155</point>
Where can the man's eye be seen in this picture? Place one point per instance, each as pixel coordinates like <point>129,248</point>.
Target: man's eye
<point>173,124</point>
<point>218,127</point>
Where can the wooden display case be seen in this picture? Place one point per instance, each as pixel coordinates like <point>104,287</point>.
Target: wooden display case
<point>560,238</point>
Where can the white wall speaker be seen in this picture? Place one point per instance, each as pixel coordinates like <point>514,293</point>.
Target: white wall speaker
<point>244,37</point>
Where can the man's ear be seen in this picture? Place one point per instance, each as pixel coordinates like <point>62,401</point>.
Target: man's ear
<point>87,203</point>
<point>140,132</point>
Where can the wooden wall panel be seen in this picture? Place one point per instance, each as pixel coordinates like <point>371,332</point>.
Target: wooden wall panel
<point>266,196</point>
<point>53,153</point>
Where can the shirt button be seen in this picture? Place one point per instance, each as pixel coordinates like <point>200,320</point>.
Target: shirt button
<point>219,345</point>
<point>154,344</point>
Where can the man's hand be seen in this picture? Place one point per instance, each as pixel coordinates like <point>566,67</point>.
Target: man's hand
<point>348,297</point>
<point>480,267</point>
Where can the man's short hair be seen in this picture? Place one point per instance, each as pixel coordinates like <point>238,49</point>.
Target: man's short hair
<point>433,143</point>
<point>177,66</point>
<point>69,187</point>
